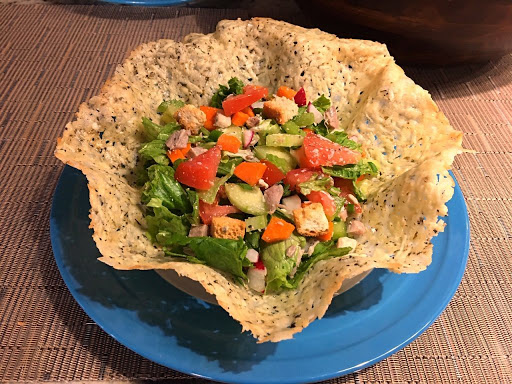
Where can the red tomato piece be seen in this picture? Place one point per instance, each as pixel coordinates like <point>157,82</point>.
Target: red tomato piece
<point>326,200</point>
<point>252,93</point>
<point>272,174</point>
<point>200,171</point>
<point>347,188</point>
<point>208,211</point>
<point>319,151</point>
<point>297,176</point>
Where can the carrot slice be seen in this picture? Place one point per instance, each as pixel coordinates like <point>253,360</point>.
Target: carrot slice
<point>210,113</point>
<point>186,149</point>
<point>239,118</point>
<point>175,154</point>
<point>248,111</point>
<point>277,230</point>
<point>328,235</point>
<point>229,143</point>
<point>307,130</point>
<point>284,91</point>
<point>250,172</point>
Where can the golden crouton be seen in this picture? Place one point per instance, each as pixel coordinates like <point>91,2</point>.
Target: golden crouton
<point>227,228</point>
<point>191,118</point>
<point>311,220</point>
<point>280,109</point>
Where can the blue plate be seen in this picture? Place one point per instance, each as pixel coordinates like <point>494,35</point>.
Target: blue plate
<point>376,318</point>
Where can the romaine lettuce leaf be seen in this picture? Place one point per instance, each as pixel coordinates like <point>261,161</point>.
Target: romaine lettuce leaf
<point>342,139</point>
<point>352,171</point>
<point>163,186</point>
<point>235,86</point>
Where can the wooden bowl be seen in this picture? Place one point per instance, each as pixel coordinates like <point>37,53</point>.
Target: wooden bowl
<point>440,32</point>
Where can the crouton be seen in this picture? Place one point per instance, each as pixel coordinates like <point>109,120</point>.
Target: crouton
<point>227,228</point>
<point>311,220</point>
<point>280,109</point>
<point>191,118</point>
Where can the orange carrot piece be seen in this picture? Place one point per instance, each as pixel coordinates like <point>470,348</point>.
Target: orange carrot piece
<point>186,149</point>
<point>360,178</point>
<point>239,118</point>
<point>210,113</point>
<point>250,172</point>
<point>307,130</point>
<point>277,230</point>
<point>175,154</point>
<point>229,143</point>
<point>284,91</point>
<point>328,235</point>
<point>248,111</point>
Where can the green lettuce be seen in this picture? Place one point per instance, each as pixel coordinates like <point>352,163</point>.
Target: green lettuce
<point>316,183</point>
<point>322,104</point>
<point>342,139</point>
<point>163,186</point>
<point>352,171</point>
<point>223,254</point>
<point>235,86</point>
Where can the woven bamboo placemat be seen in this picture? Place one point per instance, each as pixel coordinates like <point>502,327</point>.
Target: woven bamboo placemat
<point>54,57</point>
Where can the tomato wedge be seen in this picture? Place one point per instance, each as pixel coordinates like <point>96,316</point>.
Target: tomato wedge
<point>317,151</point>
<point>208,211</point>
<point>200,171</point>
<point>272,174</point>
<point>297,176</point>
<point>347,188</point>
<point>252,93</point>
<point>326,200</point>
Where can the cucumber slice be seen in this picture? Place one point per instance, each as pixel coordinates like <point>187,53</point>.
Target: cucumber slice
<point>339,230</point>
<point>262,151</point>
<point>256,223</point>
<point>250,201</point>
<point>169,108</point>
<point>267,127</point>
<point>233,131</point>
<point>284,140</point>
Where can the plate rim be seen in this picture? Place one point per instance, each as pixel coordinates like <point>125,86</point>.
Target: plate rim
<point>68,280</point>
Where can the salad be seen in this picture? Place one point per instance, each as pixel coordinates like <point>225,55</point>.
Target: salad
<point>255,185</point>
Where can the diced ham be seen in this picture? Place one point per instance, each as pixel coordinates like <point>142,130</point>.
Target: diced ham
<point>316,113</point>
<point>221,120</point>
<point>253,121</point>
<point>196,151</point>
<point>178,139</point>
<point>356,228</point>
<point>273,197</point>
<point>331,118</point>
<point>252,255</point>
<point>198,231</point>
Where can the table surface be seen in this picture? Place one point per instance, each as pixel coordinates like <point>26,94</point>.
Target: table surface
<point>54,57</point>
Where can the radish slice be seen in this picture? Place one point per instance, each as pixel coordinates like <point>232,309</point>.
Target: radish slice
<point>248,135</point>
<point>252,255</point>
<point>316,113</point>
<point>291,203</point>
<point>258,104</point>
<point>300,98</point>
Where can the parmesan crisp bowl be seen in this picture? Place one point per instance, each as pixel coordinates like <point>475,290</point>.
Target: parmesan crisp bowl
<point>395,120</point>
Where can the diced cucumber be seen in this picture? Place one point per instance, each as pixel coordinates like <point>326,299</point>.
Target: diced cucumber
<point>267,127</point>
<point>233,131</point>
<point>284,140</point>
<point>339,230</point>
<point>291,128</point>
<point>168,109</point>
<point>256,223</point>
<point>262,152</point>
<point>304,119</point>
<point>250,201</point>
